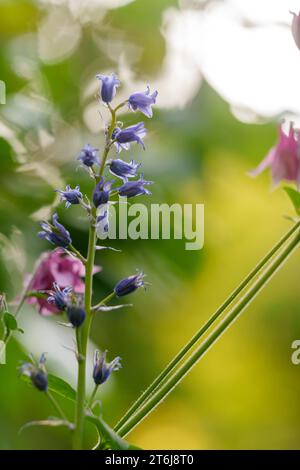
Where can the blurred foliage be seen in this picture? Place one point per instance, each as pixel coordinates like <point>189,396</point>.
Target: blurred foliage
<point>244,394</point>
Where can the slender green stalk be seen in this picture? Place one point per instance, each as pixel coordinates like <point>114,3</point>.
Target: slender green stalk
<point>83,334</point>
<point>104,301</point>
<point>108,141</point>
<point>56,406</point>
<point>175,361</point>
<point>92,396</point>
<point>160,394</point>
<point>84,331</point>
<point>77,254</point>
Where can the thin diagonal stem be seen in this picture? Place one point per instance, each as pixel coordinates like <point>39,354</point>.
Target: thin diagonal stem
<point>104,301</point>
<point>176,360</point>
<point>77,254</point>
<point>56,406</point>
<point>92,396</point>
<point>160,394</point>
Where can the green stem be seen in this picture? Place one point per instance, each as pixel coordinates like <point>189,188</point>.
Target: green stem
<point>77,254</point>
<point>82,341</point>
<point>104,301</point>
<point>175,361</point>
<point>108,142</point>
<point>92,396</point>
<point>120,105</point>
<point>160,394</point>
<point>56,406</point>
<point>83,333</point>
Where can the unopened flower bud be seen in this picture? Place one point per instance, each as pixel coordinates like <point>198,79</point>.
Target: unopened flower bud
<point>40,380</point>
<point>76,315</point>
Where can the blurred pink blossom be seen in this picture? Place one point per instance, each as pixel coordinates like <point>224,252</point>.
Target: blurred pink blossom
<point>296,28</point>
<point>62,268</point>
<point>283,159</point>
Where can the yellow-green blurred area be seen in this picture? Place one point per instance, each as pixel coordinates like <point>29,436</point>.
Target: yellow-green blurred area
<point>244,394</point>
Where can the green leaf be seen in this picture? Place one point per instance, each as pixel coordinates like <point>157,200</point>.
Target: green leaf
<point>10,322</point>
<point>62,388</point>
<point>110,438</point>
<point>294,197</point>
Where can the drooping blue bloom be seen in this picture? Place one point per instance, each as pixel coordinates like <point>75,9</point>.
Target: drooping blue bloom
<point>129,284</point>
<point>102,369</point>
<point>123,169</point>
<point>76,315</point>
<point>109,86</point>
<point>123,137</point>
<point>71,196</point>
<point>143,102</point>
<point>56,234</point>
<point>38,375</point>
<point>88,156</point>
<point>135,188</point>
<point>59,297</point>
<point>101,192</point>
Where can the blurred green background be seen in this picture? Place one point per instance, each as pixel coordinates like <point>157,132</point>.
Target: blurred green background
<point>245,393</point>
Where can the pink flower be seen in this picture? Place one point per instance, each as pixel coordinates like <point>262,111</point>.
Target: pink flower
<point>283,159</point>
<point>56,266</point>
<point>296,28</point>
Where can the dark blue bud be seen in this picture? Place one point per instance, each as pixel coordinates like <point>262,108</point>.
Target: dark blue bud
<point>38,375</point>
<point>40,380</point>
<point>76,315</point>
<point>128,285</point>
<point>102,369</point>
<point>101,193</point>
